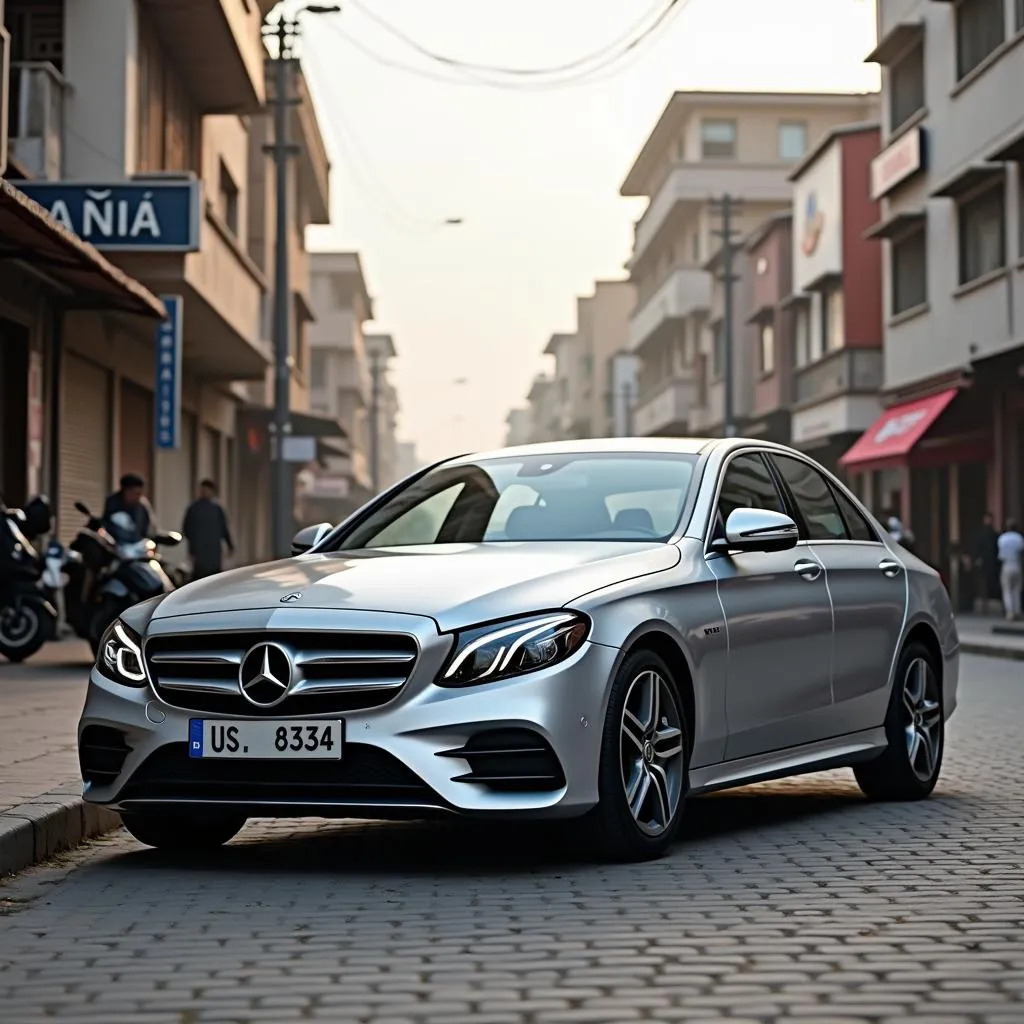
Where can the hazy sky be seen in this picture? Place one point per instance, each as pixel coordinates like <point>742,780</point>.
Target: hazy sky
<point>535,174</point>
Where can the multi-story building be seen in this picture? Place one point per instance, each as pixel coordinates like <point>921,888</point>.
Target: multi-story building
<point>705,145</point>
<point>132,156</point>
<point>603,323</point>
<point>545,404</point>
<point>45,270</point>
<point>518,427</point>
<point>837,295</point>
<point>380,350</point>
<point>408,460</point>
<point>340,382</point>
<point>769,265</point>
<point>951,441</point>
<point>573,382</point>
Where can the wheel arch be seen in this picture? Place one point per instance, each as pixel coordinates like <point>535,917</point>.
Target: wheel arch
<point>671,652</point>
<point>924,634</point>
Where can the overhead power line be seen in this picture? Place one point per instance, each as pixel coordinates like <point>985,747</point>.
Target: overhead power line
<point>622,44</point>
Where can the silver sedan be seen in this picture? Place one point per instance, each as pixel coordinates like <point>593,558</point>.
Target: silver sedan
<point>591,630</point>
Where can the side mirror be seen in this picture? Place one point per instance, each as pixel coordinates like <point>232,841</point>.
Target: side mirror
<point>309,537</point>
<point>757,529</point>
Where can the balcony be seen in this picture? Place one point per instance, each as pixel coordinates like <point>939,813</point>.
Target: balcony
<point>846,371</point>
<point>687,290</point>
<point>697,182</point>
<point>665,409</point>
<point>37,119</point>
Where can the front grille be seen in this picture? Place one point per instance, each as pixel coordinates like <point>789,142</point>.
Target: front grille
<point>364,775</point>
<point>334,672</point>
<point>510,761</point>
<point>101,754</point>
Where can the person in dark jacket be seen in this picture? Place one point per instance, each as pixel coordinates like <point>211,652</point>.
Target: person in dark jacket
<point>206,530</point>
<point>131,498</point>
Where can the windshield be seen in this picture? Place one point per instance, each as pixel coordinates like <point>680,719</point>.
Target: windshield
<point>623,497</point>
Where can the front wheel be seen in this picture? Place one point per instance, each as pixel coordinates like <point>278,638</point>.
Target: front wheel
<point>23,630</point>
<point>177,832</point>
<point>915,729</point>
<point>644,766</point>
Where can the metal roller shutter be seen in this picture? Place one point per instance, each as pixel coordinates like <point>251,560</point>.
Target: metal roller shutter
<point>176,481</point>
<point>85,442</point>
<point>136,433</point>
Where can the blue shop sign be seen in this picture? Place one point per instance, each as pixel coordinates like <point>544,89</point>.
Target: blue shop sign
<point>167,408</point>
<point>129,216</point>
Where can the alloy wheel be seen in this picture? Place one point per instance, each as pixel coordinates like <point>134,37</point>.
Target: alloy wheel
<point>922,715</point>
<point>651,751</point>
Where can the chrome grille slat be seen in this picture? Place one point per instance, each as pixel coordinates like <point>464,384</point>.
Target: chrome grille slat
<point>334,673</point>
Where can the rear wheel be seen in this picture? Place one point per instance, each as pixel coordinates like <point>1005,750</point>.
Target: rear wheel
<point>178,832</point>
<point>642,776</point>
<point>915,729</point>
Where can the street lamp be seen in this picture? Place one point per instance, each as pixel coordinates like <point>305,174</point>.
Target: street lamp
<point>286,29</point>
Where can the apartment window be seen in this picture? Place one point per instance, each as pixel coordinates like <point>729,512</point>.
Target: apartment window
<point>792,140</point>
<point>909,260</point>
<point>906,87</point>
<point>983,234</point>
<point>767,349</point>
<point>718,140</point>
<point>833,321</point>
<point>317,368</point>
<point>168,124</point>
<point>227,197</point>
<point>980,30</point>
<point>802,330</point>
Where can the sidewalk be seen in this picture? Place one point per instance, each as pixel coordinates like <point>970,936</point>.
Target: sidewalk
<point>41,810</point>
<point>991,636</point>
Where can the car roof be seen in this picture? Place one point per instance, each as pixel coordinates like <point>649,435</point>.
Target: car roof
<point>613,445</point>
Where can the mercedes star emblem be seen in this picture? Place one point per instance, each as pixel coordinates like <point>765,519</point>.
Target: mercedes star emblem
<point>265,675</point>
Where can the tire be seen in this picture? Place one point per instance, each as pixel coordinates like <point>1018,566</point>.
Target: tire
<point>177,832</point>
<point>916,733</point>
<point>21,638</point>
<point>655,773</point>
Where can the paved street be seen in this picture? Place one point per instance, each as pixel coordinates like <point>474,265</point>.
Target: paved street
<point>795,901</point>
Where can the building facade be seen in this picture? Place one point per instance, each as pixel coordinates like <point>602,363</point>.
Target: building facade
<point>837,295</point>
<point>950,443</point>
<point>384,409</point>
<point>705,145</point>
<point>603,321</point>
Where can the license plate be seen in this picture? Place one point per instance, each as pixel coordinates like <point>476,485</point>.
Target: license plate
<point>265,741</point>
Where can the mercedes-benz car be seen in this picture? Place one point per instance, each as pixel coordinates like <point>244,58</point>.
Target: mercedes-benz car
<point>588,630</point>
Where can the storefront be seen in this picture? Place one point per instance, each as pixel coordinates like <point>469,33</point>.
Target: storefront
<point>56,407</point>
<point>928,460</point>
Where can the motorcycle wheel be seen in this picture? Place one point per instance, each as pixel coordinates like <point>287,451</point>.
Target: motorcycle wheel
<point>22,631</point>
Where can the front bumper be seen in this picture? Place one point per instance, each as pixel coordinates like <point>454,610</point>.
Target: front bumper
<point>404,759</point>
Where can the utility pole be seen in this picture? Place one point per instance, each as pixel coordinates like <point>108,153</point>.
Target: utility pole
<point>726,207</point>
<point>284,61</point>
<point>375,421</point>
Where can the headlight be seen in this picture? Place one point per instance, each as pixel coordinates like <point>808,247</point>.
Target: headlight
<point>503,649</point>
<point>120,656</point>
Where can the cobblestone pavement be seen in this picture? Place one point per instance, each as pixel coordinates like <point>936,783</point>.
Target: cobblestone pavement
<point>795,901</point>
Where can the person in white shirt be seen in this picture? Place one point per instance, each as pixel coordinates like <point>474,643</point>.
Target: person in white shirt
<point>1010,547</point>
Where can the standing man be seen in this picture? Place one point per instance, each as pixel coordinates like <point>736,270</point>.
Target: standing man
<point>131,498</point>
<point>206,530</point>
<point>1011,554</point>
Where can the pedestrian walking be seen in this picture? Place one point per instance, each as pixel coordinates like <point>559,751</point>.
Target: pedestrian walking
<point>206,530</point>
<point>1010,548</point>
<point>131,499</point>
<point>986,561</point>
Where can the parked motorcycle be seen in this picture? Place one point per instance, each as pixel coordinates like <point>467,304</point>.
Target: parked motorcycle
<point>29,581</point>
<point>117,569</point>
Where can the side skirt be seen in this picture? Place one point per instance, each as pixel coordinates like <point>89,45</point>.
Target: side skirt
<point>839,752</point>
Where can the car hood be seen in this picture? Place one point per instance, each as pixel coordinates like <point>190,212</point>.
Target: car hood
<point>454,584</point>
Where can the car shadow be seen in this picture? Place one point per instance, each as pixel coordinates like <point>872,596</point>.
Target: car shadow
<point>479,849</point>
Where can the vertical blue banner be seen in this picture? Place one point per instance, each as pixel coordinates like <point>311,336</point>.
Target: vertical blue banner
<point>167,407</point>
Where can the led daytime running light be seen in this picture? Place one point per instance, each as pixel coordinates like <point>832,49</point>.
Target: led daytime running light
<point>541,626</point>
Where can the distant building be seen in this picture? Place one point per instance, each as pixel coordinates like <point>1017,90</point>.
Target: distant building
<point>407,459</point>
<point>380,350</point>
<point>519,427</point>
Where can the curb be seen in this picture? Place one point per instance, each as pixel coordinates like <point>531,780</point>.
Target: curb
<point>987,650</point>
<point>52,823</point>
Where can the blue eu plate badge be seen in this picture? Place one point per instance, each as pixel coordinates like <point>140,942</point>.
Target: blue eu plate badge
<point>195,737</point>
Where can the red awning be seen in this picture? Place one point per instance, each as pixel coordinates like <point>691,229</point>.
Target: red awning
<point>896,432</point>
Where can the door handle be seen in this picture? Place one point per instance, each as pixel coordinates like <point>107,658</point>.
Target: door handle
<point>807,570</point>
<point>890,568</point>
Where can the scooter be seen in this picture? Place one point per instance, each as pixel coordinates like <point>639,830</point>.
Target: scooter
<point>117,570</point>
<point>28,580</point>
